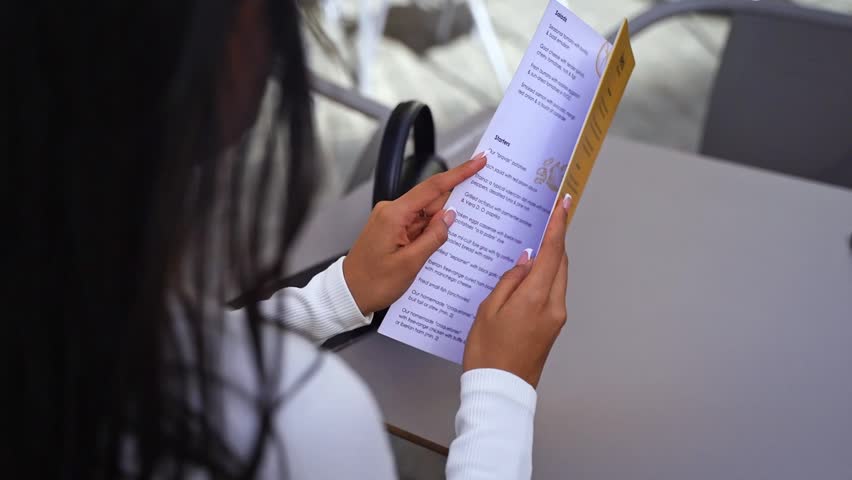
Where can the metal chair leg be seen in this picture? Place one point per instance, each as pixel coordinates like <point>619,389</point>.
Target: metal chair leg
<point>485,29</point>
<point>371,27</point>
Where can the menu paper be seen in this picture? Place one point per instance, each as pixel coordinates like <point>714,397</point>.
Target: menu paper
<point>541,144</point>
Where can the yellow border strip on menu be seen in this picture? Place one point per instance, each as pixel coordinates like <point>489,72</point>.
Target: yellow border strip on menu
<point>619,66</point>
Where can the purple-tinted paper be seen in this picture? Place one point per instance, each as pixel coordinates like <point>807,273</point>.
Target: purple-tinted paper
<point>504,209</point>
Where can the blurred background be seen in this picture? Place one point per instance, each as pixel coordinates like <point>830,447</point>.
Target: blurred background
<point>458,55</point>
<point>435,51</point>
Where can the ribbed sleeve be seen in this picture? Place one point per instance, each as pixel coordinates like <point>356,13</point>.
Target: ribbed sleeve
<point>320,310</point>
<point>494,427</point>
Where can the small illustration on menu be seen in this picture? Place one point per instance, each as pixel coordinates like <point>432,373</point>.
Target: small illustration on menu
<point>550,173</point>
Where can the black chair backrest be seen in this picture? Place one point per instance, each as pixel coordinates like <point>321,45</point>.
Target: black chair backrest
<point>396,172</point>
<point>782,99</point>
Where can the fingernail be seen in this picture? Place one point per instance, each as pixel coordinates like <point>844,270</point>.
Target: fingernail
<point>525,257</point>
<point>478,159</point>
<point>449,217</point>
<point>566,201</point>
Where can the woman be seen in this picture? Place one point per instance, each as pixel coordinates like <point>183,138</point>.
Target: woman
<point>135,211</point>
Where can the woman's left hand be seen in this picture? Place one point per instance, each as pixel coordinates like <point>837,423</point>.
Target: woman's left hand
<point>400,236</point>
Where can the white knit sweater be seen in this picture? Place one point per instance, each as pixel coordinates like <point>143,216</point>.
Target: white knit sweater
<point>329,426</point>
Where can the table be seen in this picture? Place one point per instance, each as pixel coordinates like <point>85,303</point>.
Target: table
<point>709,328</point>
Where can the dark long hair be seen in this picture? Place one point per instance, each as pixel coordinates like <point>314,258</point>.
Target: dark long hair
<point>135,211</point>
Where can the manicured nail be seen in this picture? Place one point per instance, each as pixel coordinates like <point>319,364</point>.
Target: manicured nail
<point>449,217</point>
<point>566,201</point>
<point>525,257</point>
<point>478,161</point>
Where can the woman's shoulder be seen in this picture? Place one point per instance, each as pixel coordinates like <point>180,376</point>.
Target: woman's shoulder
<point>323,406</point>
<point>297,367</point>
<point>336,422</point>
<point>313,372</point>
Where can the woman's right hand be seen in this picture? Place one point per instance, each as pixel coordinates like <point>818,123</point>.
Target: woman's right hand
<point>517,324</point>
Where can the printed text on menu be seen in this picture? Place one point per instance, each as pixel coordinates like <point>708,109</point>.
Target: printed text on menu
<point>504,208</point>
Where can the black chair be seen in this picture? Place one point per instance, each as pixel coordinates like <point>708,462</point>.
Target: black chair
<point>782,98</point>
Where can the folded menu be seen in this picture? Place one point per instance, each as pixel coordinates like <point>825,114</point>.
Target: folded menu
<point>541,144</point>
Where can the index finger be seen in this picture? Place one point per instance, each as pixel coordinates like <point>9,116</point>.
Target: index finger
<point>426,192</point>
<point>549,259</point>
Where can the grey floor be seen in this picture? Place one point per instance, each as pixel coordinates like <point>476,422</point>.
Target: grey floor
<point>664,105</point>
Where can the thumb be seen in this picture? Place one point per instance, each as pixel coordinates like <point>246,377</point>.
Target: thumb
<point>432,237</point>
<point>510,280</point>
